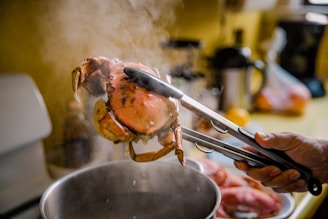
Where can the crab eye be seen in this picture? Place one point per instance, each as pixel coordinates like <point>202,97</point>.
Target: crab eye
<point>94,83</point>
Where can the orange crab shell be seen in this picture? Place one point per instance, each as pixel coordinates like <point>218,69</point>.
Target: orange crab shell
<point>137,108</point>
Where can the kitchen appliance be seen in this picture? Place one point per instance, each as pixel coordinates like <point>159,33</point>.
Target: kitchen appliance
<point>222,125</point>
<point>232,69</point>
<point>127,189</point>
<point>24,123</point>
<point>300,53</point>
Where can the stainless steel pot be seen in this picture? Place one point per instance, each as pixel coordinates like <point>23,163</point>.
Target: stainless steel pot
<point>126,189</point>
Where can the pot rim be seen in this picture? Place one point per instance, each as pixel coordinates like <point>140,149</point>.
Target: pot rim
<point>67,177</point>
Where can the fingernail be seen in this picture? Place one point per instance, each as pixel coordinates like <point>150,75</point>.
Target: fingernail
<point>294,175</point>
<point>262,135</point>
<point>275,172</point>
<point>241,166</point>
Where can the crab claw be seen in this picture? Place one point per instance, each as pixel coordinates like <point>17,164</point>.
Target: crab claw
<point>76,83</point>
<point>92,74</point>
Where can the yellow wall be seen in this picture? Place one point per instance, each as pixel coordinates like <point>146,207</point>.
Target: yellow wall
<point>209,22</point>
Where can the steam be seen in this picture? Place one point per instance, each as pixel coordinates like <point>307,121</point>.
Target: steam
<point>71,30</point>
<point>131,30</point>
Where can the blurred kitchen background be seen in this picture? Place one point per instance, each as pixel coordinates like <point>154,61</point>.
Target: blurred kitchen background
<point>47,39</point>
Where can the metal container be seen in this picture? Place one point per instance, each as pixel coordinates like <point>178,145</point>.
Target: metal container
<point>232,73</point>
<point>126,189</point>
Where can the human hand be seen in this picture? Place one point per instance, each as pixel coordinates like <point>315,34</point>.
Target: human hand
<point>309,152</point>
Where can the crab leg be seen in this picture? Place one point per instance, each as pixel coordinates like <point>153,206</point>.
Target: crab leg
<point>150,156</point>
<point>169,140</point>
<point>178,145</point>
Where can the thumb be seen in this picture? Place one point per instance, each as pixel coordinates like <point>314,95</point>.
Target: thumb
<point>263,139</point>
<point>279,141</point>
<point>272,140</point>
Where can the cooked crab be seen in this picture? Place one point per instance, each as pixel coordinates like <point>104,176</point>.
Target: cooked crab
<point>131,113</point>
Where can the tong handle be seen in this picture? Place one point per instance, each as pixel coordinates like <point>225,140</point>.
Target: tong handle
<point>254,160</point>
<point>313,184</point>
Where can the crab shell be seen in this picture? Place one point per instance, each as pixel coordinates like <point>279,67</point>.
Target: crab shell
<point>131,112</point>
<point>143,111</point>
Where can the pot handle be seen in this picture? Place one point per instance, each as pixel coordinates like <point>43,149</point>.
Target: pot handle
<point>261,67</point>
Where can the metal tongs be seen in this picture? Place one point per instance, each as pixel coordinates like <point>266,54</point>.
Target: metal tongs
<point>223,125</point>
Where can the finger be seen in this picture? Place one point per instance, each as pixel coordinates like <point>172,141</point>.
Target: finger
<point>266,140</point>
<point>297,186</point>
<point>279,141</point>
<point>263,174</point>
<point>241,165</point>
<point>283,179</point>
<point>251,149</point>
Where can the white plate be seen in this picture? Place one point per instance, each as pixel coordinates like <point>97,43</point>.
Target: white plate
<point>287,208</point>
